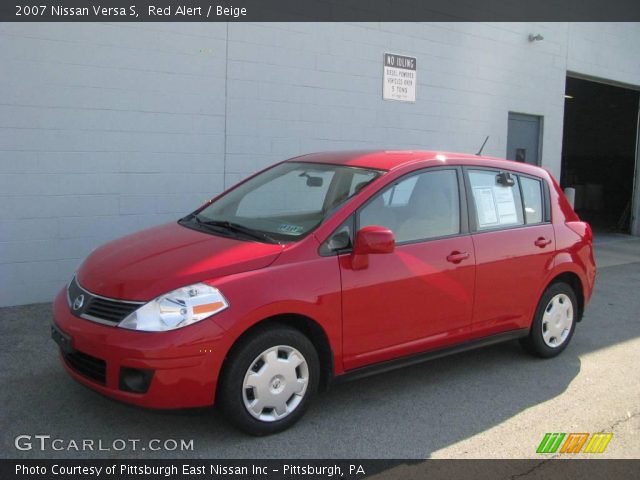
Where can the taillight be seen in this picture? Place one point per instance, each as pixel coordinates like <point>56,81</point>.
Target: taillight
<point>589,232</point>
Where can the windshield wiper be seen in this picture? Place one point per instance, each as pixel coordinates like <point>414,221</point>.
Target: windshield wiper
<point>236,228</point>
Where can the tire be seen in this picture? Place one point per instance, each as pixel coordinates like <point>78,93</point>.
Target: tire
<point>268,380</point>
<point>551,331</point>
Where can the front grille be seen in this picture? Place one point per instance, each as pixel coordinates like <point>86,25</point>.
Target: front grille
<point>109,311</point>
<point>91,367</point>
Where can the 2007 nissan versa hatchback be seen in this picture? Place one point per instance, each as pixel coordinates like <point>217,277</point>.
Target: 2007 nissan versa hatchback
<point>323,266</point>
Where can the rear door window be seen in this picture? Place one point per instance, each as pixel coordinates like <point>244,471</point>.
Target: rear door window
<point>496,204</point>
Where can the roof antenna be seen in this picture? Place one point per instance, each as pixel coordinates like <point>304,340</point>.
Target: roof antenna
<point>482,147</point>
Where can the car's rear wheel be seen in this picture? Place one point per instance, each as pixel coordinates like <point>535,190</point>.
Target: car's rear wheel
<point>553,323</point>
<point>269,380</point>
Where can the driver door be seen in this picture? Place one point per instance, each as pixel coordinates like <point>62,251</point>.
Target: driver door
<point>420,296</point>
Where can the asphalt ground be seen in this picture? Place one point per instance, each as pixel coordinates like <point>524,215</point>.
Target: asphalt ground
<point>496,402</point>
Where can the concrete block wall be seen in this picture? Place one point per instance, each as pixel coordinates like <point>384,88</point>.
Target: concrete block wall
<point>605,50</point>
<point>109,128</point>
<point>297,88</point>
<point>105,129</point>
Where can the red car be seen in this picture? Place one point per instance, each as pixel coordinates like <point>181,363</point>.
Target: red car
<point>324,267</point>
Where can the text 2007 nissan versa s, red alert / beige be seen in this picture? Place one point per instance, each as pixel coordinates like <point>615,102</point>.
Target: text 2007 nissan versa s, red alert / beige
<point>327,266</point>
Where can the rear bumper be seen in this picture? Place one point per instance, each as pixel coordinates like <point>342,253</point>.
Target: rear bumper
<point>185,363</point>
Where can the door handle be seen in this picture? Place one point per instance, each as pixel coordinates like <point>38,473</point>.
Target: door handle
<point>542,242</point>
<point>457,257</point>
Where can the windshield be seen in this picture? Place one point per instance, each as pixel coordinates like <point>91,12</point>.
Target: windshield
<point>285,202</point>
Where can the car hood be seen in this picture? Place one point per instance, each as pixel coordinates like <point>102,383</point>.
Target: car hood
<point>149,263</point>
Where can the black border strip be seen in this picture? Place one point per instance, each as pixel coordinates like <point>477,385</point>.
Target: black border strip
<point>545,466</point>
<point>327,10</point>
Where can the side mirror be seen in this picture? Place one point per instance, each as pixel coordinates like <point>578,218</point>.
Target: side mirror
<point>371,240</point>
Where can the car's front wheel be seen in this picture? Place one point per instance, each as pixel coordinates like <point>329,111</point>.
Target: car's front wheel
<point>269,380</point>
<point>554,322</point>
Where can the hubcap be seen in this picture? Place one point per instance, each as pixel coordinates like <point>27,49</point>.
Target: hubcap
<point>275,383</point>
<point>557,320</point>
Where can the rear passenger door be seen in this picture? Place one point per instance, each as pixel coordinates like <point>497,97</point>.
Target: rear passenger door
<point>514,245</point>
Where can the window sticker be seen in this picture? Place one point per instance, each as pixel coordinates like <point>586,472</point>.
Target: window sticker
<point>506,205</point>
<point>486,206</point>
<point>290,229</point>
<point>496,206</point>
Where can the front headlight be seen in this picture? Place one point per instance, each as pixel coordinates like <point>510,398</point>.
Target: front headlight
<point>177,309</point>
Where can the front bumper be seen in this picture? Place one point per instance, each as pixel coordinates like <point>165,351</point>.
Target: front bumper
<point>184,363</point>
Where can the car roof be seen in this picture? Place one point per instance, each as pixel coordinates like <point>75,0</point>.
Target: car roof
<point>395,159</point>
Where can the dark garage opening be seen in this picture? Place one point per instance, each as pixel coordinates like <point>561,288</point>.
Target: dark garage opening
<point>599,150</point>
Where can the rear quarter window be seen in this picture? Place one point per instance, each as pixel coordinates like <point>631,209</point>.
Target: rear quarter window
<point>532,198</point>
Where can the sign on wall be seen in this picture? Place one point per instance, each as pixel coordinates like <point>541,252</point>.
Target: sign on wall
<point>399,78</point>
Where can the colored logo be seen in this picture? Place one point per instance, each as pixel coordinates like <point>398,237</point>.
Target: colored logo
<point>573,442</point>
